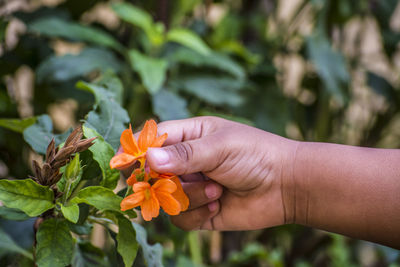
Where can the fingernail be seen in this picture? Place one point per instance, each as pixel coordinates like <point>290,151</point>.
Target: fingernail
<point>211,190</point>
<point>160,156</point>
<point>212,206</point>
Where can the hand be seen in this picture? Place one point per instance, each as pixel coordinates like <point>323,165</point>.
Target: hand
<point>233,174</point>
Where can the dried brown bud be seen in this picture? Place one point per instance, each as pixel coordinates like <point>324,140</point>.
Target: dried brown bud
<point>49,173</point>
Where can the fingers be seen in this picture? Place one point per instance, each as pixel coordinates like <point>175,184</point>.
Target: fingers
<point>200,218</point>
<point>202,193</point>
<point>200,155</point>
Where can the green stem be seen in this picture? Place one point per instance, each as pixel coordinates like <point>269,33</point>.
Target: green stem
<point>195,247</point>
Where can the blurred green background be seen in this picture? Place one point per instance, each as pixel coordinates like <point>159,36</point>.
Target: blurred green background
<point>318,70</point>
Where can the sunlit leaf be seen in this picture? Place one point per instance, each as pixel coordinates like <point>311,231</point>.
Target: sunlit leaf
<point>67,67</point>
<point>26,195</point>
<point>152,71</point>
<point>102,154</point>
<point>141,19</point>
<point>189,39</point>
<point>54,244</point>
<point>70,212</point>
<point>58,27</point>
<point>17,125</point>
<point>169,106</point>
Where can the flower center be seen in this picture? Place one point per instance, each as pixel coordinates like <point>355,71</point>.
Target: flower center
<point>147,194</point>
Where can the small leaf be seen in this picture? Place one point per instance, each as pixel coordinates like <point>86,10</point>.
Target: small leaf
<point>8,244</point>
<point>189,39</point>
<point>169,106</point>
<point>152,71</point>
<point>151,253</point>
<point>54,244</point>
<point>58,27</point>
<point>26,195</point>
<point>67,67</point>
<point>39,135</point>
<point>17,125</point>
<point>102,154</point>
<point>99,197</point>
<point>73,168</point>
<point>126,246</point>
<point>70,212</point>
<point>12,214</point>
<point>141,19</point>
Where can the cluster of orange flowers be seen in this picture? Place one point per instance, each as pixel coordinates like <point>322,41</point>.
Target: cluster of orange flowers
<point>150,189</point>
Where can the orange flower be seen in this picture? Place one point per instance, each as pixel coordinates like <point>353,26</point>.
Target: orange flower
<point>150,198</point>
<point>137,150</point>
<point>179,194</point>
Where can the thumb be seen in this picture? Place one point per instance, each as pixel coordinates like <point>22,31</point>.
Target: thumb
<point>199,155</point>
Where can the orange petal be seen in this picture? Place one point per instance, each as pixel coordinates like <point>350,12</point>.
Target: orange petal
<point>150,208</point>
<point>132,201</point>
<point>132,179</point>
<point>164,185</point>
<point>122,161</point>
<point>180,195</point>
<point>159,141</point>
<point>147,135</point>
<point>128,142</point>
<point>169,204</point>
<point>140,186</point>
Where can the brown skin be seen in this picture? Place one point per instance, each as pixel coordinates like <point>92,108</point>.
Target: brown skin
<point>241,178</point>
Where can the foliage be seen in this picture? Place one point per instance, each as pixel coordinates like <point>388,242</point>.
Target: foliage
<point>172,60</point>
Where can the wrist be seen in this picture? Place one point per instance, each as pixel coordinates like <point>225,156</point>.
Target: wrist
<point>294,185</point>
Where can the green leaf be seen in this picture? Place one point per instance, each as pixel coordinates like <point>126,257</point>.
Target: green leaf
<point>151,253</point>
<point>126,247</point>
<point>108,118</point>
<point>54,244</point>
<point>73,169</point>
<point>58,27</point>
<point>39,135</point>
<point>70,212</point>
<point>213,90</point>
<point>67,67</point>
<point>87,255</point>
<point>141,19</point>
<point>330,65</point>
<point>17,125</point>
<point>113,84</point>
<point>189,39</point>
<point>26,195</point>
<point>12,214</point>
<point>8,244</point>
<point>169,106</point>
<point>102,154</point>
<point>212,60</point>
<point>100,197</point>
<point>152,71</point>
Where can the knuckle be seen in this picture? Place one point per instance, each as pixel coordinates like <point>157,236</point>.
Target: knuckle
<point>184,151</point>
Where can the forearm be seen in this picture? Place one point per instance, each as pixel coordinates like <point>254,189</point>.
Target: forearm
<point>349,190</point>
